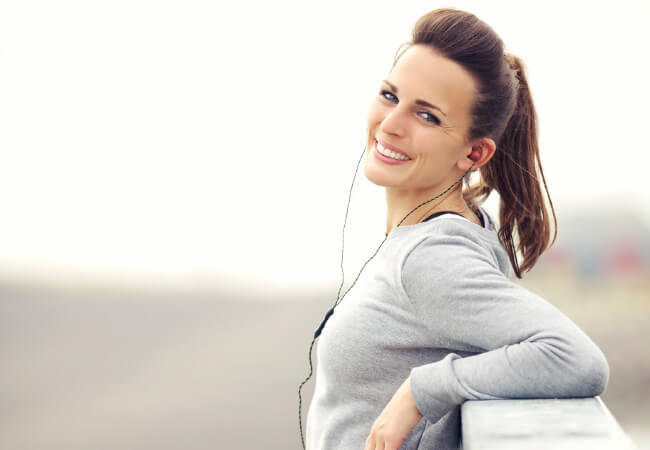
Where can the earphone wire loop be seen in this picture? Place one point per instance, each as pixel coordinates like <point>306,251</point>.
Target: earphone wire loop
<point>331,311</point>
<point>339,299</point>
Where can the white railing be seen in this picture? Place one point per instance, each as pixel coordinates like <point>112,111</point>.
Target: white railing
<point>544,424</point>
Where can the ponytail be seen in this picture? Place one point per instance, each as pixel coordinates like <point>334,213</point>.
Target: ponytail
<point>512,173</point>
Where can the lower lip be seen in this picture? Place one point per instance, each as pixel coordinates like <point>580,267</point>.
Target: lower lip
<point>386,159</point>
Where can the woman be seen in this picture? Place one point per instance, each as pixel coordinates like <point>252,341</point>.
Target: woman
<point>435,320</point>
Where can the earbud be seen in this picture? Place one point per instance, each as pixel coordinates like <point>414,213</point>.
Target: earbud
<point>475,155</point>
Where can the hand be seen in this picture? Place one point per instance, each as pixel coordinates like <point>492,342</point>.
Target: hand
<point>395,422</point>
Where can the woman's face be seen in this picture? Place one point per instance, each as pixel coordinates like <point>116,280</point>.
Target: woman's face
<point>422,111</point>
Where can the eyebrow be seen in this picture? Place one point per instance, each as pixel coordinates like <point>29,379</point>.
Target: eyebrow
<point>418,101</point>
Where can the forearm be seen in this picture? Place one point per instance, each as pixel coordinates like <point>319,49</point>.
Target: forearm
<point>549,367</point>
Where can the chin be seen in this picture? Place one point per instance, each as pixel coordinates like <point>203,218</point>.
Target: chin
<point>376,175</point>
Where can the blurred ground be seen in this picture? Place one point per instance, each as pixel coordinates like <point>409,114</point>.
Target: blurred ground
<point>114,369</point>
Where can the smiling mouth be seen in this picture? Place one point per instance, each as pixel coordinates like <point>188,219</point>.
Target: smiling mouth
<point>389,153</point>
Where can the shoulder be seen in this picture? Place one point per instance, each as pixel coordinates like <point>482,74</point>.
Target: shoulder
<point>454,242</point>
<point>454,255</point>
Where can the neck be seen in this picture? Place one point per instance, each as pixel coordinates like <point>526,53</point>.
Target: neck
<point>400,202</point>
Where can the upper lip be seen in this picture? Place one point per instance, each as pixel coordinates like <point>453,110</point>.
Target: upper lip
<point>392,147</point>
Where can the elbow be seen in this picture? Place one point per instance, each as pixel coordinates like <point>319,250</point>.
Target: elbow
<point>590,372</point>
<point>597,374</point>
<point>576,366</point>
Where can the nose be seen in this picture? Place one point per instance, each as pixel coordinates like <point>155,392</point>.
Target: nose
<point>394,123</point>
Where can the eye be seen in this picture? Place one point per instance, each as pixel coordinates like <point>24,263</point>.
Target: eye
<point>384,92</point>
<point>433,119</point>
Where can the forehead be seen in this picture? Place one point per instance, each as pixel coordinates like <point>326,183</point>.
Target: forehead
<point>423,73</point>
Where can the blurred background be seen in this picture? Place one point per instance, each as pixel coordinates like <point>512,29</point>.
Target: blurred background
<point>173,184</point>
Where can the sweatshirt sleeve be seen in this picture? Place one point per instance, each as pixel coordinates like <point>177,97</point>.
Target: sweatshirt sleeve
<point>520,345</point>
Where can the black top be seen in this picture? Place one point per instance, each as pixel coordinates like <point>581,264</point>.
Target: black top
<point>480,216</point>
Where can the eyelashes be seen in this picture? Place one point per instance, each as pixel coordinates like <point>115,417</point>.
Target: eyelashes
<point>388,95</point>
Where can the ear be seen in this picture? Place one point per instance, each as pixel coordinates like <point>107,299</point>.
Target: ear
<point>480,150</point>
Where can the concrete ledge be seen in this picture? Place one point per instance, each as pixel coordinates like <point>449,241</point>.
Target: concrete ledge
<point>544,424</point>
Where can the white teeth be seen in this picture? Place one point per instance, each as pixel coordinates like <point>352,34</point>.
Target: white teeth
<point>390,153</point>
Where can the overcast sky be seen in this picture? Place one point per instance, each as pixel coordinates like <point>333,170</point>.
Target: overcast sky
<point>191,142</point>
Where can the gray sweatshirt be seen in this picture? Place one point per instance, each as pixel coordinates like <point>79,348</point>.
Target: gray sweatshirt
<point>436,303</point>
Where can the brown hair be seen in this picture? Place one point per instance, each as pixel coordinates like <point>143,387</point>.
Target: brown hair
<point>504,111</point>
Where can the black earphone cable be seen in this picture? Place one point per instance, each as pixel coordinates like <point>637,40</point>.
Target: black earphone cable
<point>338,297</point>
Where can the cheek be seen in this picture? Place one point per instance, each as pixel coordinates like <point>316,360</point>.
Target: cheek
<point>436,150</point>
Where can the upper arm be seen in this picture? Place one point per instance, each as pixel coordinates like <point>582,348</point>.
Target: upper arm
<point>457,289</point>
<point>466,303</point>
